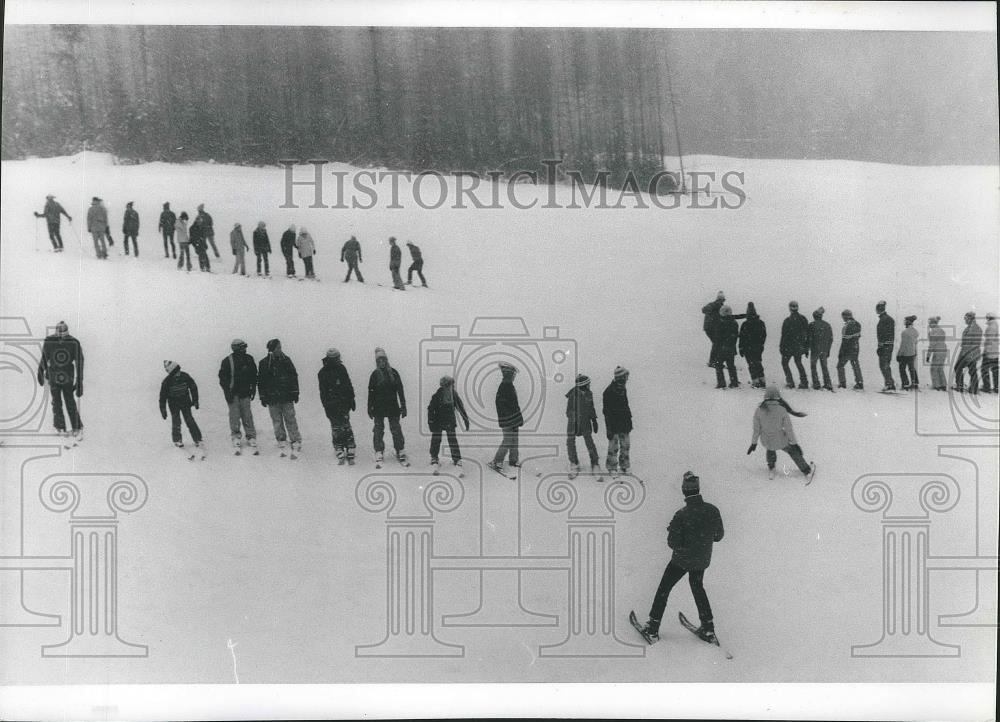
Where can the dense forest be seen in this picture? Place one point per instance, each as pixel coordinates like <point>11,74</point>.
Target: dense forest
<point>495,98</point>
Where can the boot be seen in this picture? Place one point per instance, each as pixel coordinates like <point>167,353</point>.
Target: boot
<point>859,386</point>
<point>707,632</point>
<point>652,630</point>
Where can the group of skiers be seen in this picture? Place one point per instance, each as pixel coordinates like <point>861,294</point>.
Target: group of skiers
<point>814,340</point>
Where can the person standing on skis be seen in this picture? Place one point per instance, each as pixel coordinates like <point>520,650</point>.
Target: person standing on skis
<point>509,419</point>
<point>937,353</point>
<point>968,355</point>
<point>336,393</point>
<point>581,419</point>
<point>793,345</point>
<point>278,386</point>
<point>262,247</point>
<point>52,213</point>
<point>288,250</point>
<point>618,423</point>
<point>395,262</point>
<point>238,379</point>
<point>351,253</point>
<point>885,335</point>
<point>441,418</point>
<point>168,222</point>
<point>711,312</point>
<point>907,356</point>
<point>179,393</point>
<point>773,426</point>
<point>850,340</point>
<point>61,365</point>
<point>819,339</point>
<point>386,400</point>
<point>727,333</point>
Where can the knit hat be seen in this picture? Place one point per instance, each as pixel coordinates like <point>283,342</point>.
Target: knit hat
<point>292,228</point>
<point>273,345</point>
<point>690,485</point>
<point>201,206</point>
<point>392,239</point>
<point>771,393</point>
<point>183,216</point>
<point>933,320</point>
<point>720,296</point>
<point>621,372</point>
<point>447,381</point>
<point>970,315</point>
<point>846,313</point>
<point>880,306</point>
<point>332,353</point>
<point>909,320</point>
<point>582,380</point>
<point>238,343</point>
<point>129,204</point>
<point>169,366</point>
<point>237,225</point>
<point>990,316</point>
<point>380,353</point>
<point>62,328</point>
<point>507,366</point>
<point>725,311</point>
<point>95,199</point>
<point>794,305</point>
<point>751,310</point>
<point>261,224</point>
<point>818,313</point>
<point>49,198</point>
<point>167,204</point>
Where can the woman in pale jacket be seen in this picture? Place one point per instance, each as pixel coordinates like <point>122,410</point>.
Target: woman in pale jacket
<point>307,249</point>
<point>772,424</point>
<point>937,354</point>
<point>181,229</point>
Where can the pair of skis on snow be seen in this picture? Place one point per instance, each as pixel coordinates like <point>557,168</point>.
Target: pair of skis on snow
<point>809,477</point>
<point>194,452</point>
<point>684,623</point>
<point>71,440</point>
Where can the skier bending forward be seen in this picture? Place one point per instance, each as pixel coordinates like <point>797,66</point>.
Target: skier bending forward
<point>772,425</point>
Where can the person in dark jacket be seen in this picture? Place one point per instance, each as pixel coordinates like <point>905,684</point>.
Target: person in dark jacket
<point>820,341</point>
<point>711,312</point>
<point>395,262</point>
<point>441,418</point>
<point>239,246</point>
<point>618,422</point>
<point>727,333</point>
<point>794,344</point>
<point>581,420</point>
<point>691,534</point>
<point>168,221</point>
<point>351,253</point>
<point>278,387</point>
<point>885,335</point>
<point>336,393</point>
<point>968,355</point>
<point>509,419</point>
<point>179,393</point>
<point>196,235</point>
<point>288,250</point>
<point>130,228</point>
<point>418,265</point>
<point>61,365</point>
<point>52,213</point>
<point>209,225</point>
<point>238,379</point>
<point>753,334</point>
<point>386,400</point>
<point>850,339</point>
<point>262,246</point>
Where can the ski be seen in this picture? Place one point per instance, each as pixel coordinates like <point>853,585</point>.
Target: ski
<point>499,470</point>
<point>435,468</point>
<point>694,630</point>
<point>811,474</point>
<point>640,628</point>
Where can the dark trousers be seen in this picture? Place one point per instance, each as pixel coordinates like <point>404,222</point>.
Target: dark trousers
<point>308,263</point>
<point>168,237</point>
<point>394,428</point>
<point>671,575</point>
<point>727,359</point>
<point>178,410</point>
<point>185,256</point>
<point>267,269</point>
<point>966,363</point>
<point>289,263</point>
<point>989,368</point>
<point>885,365</point>
<point>508,448</point>
<point>135,243</point>
<point>456,453</point>
<point>203,262</point>
<point>341,432</point>
<point>785,357</point>
<point>417,266</point>
<point>588,441</point>
<point>63,394</point>
<point>794,451</point>
<point>352,265</point>
<point>55,236</point>
<point>754,365</point>
<point>908,364</point>
<point>711,354</point>
<point>210,237</point>
<point>842,361</point>
<point>821,360</point>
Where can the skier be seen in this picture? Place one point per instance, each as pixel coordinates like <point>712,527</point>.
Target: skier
<point>239,245</point>
<point>907,356</point>
<point>336,393</point>
<point>97,226</point>
<point>168,222</point>
<point>209,225</point>
<point>885,335</point>
<point>395,261</point>
<point>693,530</point>
<point>850,337</point>
<point>711,311</point>
<point>772,425</point>
<point>727,333</point>
<point>278,386</point>
<point>968,355</point>
<point>819,339</point>
<point>581,420</point>
<point>197,235</point>
<point>417,265</point>
<point>130,228</point>
<point>351,252</point>
<point>179,393</point>
<point>937,354</point>
<point>509,419</point>
<point>183,241</point>
<point>262,247</point>
<point>61,365</point>
<point>307,249</point>
<point>793,344</point>
<point>753,333</point>
<point>991,350</point>
<point>386,400</point>
<point>238,379</point>
<point>618,423</point>
<point>52,213</point>
<point>287,248</point>
<point>441,418</point>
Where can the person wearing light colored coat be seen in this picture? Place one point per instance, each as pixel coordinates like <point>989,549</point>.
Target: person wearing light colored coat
<point>772,426</point>
<point>307,249</point>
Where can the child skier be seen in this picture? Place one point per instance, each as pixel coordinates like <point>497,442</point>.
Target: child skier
<point>179,393</point>
<point>441,418</point>
<point>581,417</point>
<point>336,393</point>
<point>772,425</point>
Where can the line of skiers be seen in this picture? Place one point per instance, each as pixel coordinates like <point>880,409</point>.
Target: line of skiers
<point>814,340</point>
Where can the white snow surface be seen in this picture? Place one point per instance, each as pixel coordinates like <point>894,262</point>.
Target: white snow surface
<point>278,558</point>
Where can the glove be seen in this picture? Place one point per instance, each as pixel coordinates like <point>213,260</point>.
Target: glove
<point>70,219</point>
<point>354,406</point>
<point>295,398</point>
<point>593,423</point>
<point>196,406</point>
<point>79,389</point>
<point>263,403</point>
<point>927,358</point>
<point>753,448</point>
<point>466,425</point>
<point>163,413</point>
<point>402,413</point>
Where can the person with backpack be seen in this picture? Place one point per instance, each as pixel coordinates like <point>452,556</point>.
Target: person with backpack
<point>753,334</point>
<point>52,213</point>
<point>351,253</point>
<point>238,379</point>
<point>278,387</point>
<point>819,339</point>
<point>441,418</point>
<point>130,228</point>
<point>167,225</point>
<point>179,393</point>
<point>262,247</point>
<point>336,393</point>
<point>772,425</point>
<point>581,420</point>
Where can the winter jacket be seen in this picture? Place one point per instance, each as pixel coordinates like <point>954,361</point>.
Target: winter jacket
<point>772,424</point>
<point>97,219</point>
<point>936,341</point>
<point>972,339</point>
<point>753,333</point>
<point>820,338</point>
<point>695,527</point>
<point>182,231</point>
<point>287,242</point>
<point>306,245</point>
<point>580,409</point>
<point>885,331</point>
<point>385,395</point>
<point>508,407</point>
<point>168,219</point>
<point>850,338</point>
<point>130,223</point>
<point>238,376</point>
<point>415,252</point>
<point>351,251</point>
<point>237,242</point>
<point>62,361</point>
<point>277,380</point>
<point>197,236</point>
<point>206,222</point>
<point>991,340</point>
<point>794,335</point>
<point>395,257</point>
<point>52,212</point>
<point>727,332</point>
<point>336,392</point>
<point>179,388</point>
<point>441,415</point>
<point>711,311</point>
<point>261,241</point>
<point>908,342</point>
<point>617,414</point>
